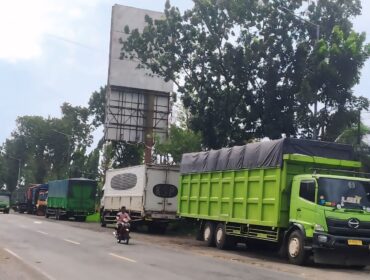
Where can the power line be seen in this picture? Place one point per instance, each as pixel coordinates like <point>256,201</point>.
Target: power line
<point>69,41</point>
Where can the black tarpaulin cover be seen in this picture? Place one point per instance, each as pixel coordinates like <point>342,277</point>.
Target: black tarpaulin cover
<point>261,154</point>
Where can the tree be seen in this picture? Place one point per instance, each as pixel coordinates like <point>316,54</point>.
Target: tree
<point>14,154</point>
<point>247,69</point>
<point>354,136</point>
<point>97,104</point>
<point>47,147</point>
<point>180,141</point>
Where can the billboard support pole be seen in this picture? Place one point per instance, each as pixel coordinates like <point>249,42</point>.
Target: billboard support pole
<point>148,132</point>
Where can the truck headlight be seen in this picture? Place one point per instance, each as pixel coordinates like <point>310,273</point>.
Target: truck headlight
<point>322,238</point>
<point>319,228</point>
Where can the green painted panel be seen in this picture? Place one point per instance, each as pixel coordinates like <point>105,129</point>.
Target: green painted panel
<point>257,196</point>
<point>72,195</point>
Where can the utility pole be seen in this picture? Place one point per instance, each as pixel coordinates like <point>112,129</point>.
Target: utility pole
<point>19,170</point>
<point>284,9</point>
<point>359,129</point>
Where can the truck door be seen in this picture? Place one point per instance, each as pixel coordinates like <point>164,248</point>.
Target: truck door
<point>305,207</point>
<point>83,196</point>
<point>161,191</point>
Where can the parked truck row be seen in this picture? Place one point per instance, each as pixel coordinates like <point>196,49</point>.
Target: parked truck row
<point>61,198</point>
<point>308,198</point>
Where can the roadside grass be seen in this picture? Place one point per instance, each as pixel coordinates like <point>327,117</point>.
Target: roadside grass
<point>94,218</point>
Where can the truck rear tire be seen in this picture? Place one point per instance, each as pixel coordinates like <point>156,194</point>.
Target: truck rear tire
<point>295,248</point>
<point>223,241</point>
<point>209,234</point>
<point>80,218</point>
<point>102,223</point>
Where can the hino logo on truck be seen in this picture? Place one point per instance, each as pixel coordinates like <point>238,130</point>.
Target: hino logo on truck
<point>354,223</point>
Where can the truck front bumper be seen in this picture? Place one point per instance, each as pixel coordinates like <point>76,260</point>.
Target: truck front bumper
<point>341,250</point>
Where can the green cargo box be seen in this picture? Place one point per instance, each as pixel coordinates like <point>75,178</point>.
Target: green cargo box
<point>4,202</point>
<point>258,196</point>
<point>72,195</point>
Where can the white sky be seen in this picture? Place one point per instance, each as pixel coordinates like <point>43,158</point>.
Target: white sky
<point>54,51</point>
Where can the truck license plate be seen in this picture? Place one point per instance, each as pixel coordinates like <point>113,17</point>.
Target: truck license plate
<point>355,242</point>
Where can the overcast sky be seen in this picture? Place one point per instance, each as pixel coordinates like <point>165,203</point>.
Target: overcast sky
<point>55,51</point>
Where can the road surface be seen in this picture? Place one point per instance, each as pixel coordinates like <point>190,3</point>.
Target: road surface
<point>56,250</point>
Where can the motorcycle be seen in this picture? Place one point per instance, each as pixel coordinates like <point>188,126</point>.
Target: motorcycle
<point>123,232</point>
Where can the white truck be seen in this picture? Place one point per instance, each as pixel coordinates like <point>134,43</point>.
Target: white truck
<point>149,193</point>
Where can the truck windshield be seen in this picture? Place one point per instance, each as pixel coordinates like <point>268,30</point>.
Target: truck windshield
<point>42,196</point>
<point>341,193</point>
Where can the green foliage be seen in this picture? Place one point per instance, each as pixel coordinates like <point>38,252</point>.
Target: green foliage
<point>351,136</point>
<point>97,104</point>
<point>249,69</point>
<point>180,141</point>
<point>121,154</point>
<point>127,154</point>
<point>51,148</point>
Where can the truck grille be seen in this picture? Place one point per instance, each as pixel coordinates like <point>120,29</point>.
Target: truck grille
<point>342,228</point>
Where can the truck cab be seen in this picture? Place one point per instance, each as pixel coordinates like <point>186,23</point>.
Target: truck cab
<point>4,202</point>
<point>331,217</point>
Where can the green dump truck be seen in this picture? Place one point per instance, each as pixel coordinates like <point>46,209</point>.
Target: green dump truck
<point>71,198</point>
<point>304,196</point>
<point>4,202</point>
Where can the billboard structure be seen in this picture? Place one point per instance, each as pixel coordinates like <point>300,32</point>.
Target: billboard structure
<point>138,103</point>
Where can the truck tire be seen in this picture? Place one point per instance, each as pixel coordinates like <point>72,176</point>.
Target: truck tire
<point>57,215</point>
<point>209,234</point>
<point>80,218</point>
<point>223,241</point>
<point>102,223</point>
<point>295,248</point>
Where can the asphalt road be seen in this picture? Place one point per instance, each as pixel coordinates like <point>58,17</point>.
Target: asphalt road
<point>59,251</point>
<point>48,249</point>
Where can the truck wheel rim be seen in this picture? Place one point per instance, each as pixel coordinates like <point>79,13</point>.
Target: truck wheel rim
<point>294,247</point>
<point>207,233</point>
<point>219,235</point>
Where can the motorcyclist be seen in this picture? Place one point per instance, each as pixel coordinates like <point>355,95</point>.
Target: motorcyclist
<point>123,218</point>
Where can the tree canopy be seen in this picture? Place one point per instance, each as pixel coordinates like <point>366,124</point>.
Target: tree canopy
<point>250,69</point>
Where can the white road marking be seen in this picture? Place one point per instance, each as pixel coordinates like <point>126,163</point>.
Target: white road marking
<point>33,267</point>
<point>122,258</point>
<point>71,241</point>
<point>42,232</point>
<point>37,222</point>
<point>13,254</point>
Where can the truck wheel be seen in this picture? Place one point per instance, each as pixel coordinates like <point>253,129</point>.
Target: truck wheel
<point>223,241</point>
<point>57,215</point>
<point>102,223</point>
<point>295,248</point>
<point>80,218</point>
<point>209,233</point>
